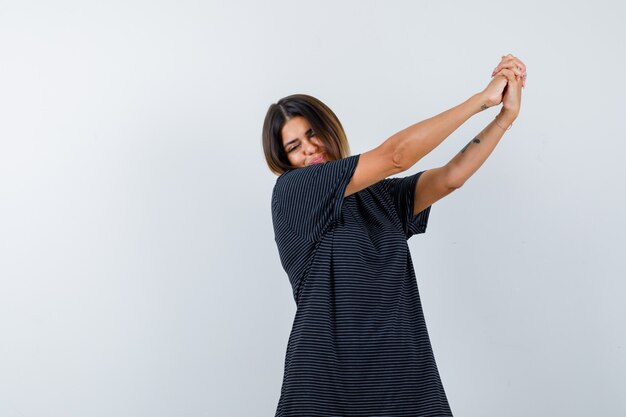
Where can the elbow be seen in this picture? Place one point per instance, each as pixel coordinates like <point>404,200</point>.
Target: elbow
<point>407,150</point>
<point>454,180</point>
<point>455,184</point>
<point>397,163</point>
<point>398,155</point>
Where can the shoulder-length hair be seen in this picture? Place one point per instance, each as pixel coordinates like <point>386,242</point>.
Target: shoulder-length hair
<point>323,121</point>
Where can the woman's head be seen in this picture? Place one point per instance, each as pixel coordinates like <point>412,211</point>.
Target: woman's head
<point>300,130</point>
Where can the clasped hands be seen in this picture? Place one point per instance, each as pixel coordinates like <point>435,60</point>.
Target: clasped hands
<point>508,79</point>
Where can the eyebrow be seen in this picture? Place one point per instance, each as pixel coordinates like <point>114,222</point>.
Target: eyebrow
<point>308,133</point>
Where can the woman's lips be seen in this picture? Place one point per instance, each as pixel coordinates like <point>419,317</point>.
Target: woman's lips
<point>317,160</point>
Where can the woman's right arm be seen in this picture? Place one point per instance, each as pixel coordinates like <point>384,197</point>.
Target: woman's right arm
<point>416,141</point>
<point>403,149</point>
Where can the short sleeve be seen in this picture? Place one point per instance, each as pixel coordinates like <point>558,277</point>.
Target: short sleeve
<point>307,200</point>
<point>402,192</point>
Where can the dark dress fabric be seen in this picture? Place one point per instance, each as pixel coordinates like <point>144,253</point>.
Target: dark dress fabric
<point>359,346</point>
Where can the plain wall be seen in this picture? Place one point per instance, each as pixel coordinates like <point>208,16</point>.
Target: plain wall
<point>138,270</point>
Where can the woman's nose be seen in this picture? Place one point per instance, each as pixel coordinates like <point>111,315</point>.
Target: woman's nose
<point>310,147</point>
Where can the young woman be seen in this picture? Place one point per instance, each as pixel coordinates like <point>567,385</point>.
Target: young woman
<point>359,346</point>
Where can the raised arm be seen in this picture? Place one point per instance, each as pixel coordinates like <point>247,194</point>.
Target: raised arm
<point>403,149</point>
<point>416,141</point>
<point>436,183</point>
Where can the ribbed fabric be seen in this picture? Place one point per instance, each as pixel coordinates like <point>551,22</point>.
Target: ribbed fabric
<point>359,346</point>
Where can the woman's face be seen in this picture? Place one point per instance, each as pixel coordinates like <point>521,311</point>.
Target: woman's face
<point>301,144</point>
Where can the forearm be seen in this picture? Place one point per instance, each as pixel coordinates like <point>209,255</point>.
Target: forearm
<point>475,153</point>
<point>416,141</point>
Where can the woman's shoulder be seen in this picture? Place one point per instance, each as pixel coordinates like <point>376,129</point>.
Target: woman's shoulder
<point>316,170</point>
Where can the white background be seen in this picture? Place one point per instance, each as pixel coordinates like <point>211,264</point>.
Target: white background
<point>138,270</point>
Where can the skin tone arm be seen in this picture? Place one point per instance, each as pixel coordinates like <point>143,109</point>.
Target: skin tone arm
<point>403,149</point>
<point>416,141</point>
<point>435,184</point>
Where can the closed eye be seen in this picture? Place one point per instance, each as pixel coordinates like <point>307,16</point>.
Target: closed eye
<point>309,133</point>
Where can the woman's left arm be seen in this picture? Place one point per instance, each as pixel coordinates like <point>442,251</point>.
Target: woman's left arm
<point>435,184</point>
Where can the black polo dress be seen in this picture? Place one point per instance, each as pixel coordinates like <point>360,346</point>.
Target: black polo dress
<point>359,346</point>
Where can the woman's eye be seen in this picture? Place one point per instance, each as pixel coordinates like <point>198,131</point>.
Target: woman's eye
<point>294,148</point>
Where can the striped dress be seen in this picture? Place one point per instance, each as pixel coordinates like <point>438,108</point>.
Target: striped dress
<point>359,346</point>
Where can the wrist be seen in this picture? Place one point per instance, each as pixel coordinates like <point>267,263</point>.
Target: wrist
<point>506,116</point>
<point>480,102</point>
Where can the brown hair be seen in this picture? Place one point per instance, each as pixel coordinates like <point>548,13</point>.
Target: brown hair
<point>323,121</point>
